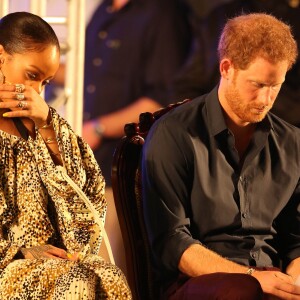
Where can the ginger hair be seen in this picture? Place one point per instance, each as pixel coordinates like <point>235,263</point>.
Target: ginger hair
<point>247,37</point>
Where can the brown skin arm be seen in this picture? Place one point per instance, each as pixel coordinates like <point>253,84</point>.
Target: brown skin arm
<point>114,122</point>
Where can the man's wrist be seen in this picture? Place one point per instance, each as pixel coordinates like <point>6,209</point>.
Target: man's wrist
<point>250,271</point>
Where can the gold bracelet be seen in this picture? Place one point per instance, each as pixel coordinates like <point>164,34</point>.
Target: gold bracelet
<point>50,140</point>
<point>250,271</point>
<point>46,126</point>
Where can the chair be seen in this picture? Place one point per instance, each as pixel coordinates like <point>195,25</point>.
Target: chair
<point>127,191</point>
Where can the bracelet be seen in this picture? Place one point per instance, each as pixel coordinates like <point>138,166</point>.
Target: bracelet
<point>50,140</point>
<point>46,125</point>
<point>250,271</point>
<point>99,128</point>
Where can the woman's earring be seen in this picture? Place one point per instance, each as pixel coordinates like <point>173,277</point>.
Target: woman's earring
<point>2,77</point>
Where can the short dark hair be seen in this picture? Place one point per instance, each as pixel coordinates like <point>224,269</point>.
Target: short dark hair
<point>25,32</point>
<point>248,36</point>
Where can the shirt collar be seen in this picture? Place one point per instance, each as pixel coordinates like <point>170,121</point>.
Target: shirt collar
<point>215,115</point>
<point>216,118</point>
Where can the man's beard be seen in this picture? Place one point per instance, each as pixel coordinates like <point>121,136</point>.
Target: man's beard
<point>244,110</point>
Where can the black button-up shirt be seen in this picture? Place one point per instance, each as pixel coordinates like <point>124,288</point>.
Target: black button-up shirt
<point>196,190</point>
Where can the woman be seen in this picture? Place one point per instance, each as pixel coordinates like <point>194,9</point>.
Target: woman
<point>50,231</point>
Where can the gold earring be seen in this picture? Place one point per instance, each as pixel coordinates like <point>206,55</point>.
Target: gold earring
<point>2,77</point>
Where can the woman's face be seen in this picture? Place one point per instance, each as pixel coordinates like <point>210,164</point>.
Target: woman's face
<point>35,69</point>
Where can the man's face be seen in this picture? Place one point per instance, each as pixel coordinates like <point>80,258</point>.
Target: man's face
<point>251,93</point>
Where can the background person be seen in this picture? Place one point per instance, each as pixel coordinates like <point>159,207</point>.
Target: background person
<point>133,50</point>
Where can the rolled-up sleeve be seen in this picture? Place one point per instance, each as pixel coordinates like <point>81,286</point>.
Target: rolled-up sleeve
<point>166,187</point>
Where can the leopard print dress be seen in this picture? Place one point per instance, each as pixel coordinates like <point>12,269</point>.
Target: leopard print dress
<point>38,206</point>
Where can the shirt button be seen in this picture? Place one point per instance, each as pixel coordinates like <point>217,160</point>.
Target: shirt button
<point>97,62</point>
<point>114,44</point>
<point>254,255</point>
<point>91,88</point>
<point>244,215</point>
<point>102,35</point>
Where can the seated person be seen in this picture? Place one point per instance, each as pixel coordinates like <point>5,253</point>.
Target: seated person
<point>221,177</point>
<point>50,231</point>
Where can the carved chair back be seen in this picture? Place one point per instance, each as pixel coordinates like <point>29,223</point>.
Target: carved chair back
<point>127,190</point>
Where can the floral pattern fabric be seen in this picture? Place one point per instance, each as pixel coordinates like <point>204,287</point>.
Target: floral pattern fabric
<point>38,206</point>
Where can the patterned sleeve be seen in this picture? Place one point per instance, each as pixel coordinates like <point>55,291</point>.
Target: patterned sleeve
<point>7,249</point>
<point>76,222</point>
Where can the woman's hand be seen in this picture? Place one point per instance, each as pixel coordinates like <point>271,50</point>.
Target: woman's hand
<point>23,102</point>
<point>48,251</point>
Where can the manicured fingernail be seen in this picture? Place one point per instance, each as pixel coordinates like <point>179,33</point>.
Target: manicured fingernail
<point>5,115</point>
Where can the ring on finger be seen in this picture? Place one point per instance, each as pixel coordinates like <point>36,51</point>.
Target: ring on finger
<point>20,88</point>
<point>22,104</point>
<point>20,96</point>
